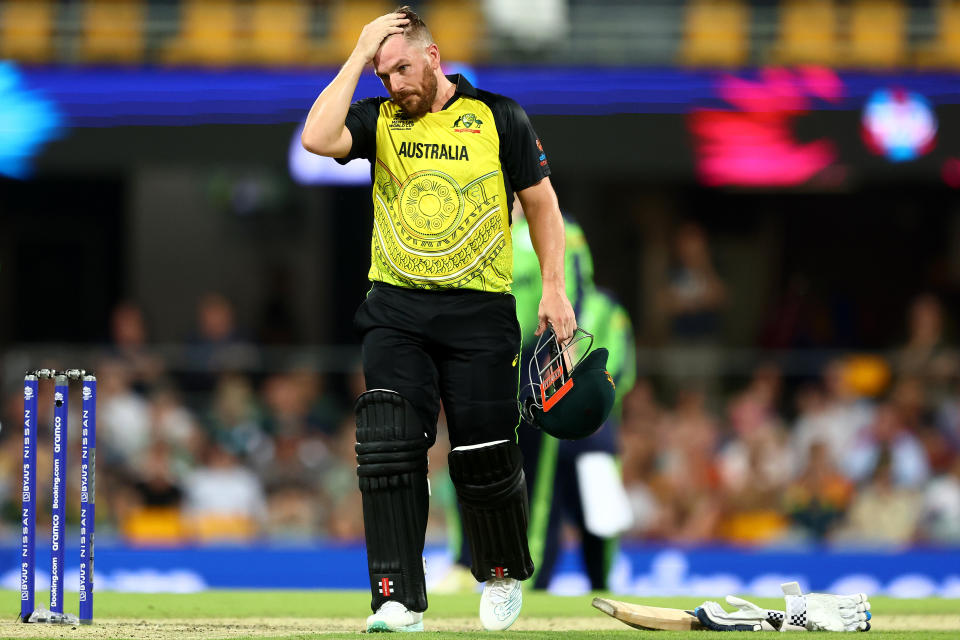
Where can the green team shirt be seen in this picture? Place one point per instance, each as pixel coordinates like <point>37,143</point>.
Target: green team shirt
<point>610,325</point>
<point>527,284</point>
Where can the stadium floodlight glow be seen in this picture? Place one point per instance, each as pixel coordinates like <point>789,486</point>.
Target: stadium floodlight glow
<point>27,122</point>
<point>899,125</point>
<point>310,169</point>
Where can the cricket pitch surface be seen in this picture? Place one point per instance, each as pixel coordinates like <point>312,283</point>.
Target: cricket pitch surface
<point>212,615</point>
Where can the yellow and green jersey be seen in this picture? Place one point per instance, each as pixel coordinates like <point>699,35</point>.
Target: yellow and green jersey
<point>443,187</point>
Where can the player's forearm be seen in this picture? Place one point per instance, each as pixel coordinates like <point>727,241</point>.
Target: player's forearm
<point>547,235</point>
<point>323,132</point>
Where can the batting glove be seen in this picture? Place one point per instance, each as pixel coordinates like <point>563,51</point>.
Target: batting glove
<point>747,617</point>
<point>823,611</point>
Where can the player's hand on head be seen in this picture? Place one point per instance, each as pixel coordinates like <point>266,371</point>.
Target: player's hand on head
<point>376,32</point>
<point>557,312</point>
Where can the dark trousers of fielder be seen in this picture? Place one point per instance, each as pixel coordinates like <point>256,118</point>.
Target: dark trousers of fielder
<point>421,348</point>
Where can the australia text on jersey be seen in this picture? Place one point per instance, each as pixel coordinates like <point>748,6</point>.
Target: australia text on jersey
<point>430,151</point>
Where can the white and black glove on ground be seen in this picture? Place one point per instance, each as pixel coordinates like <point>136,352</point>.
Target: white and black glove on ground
<point>747,617</point>
<point>811,612</point>
<point>823,611</point>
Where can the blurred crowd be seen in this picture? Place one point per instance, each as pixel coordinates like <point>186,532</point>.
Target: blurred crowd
<point>864,453</point>
<point>838,467</point>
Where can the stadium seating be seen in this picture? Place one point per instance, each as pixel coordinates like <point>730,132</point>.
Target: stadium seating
<point>279,32</point>
<point>26,30</point>
<point>716,33</point>
<point>944,49</point>
<point>807,32</point>
<point>876,33</point>
<point>112,31</point>
<point>347,18</point>
<point>208,33</point>
<point>457,26</point>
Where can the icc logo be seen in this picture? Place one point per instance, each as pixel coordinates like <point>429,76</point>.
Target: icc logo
<point>87,393</point>
<point>28,393</point>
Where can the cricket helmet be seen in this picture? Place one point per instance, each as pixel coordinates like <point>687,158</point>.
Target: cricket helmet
<point>571,391</point>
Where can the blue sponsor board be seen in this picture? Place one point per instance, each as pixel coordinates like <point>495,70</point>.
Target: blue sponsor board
<point>639,570</point>
<point>103,97</point>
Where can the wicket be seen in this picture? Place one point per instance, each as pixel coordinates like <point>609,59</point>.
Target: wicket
<point>88,453</point>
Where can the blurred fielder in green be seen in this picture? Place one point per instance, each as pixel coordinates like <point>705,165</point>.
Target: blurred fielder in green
<point>574,481</point>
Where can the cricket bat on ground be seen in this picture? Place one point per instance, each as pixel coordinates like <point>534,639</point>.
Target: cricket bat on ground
<point>641,616</point>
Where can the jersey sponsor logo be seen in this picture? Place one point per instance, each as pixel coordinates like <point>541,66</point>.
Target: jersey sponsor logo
<point>467,123</point>
<point>400,122</point>
<point>430,151</point>
<point>543,156</point>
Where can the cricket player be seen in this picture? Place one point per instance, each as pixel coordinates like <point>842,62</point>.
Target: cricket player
<point>439,322</point>
<point>551,465</point>
<point>558,478</point>
<point>582,477</point>
<point>539,470</point>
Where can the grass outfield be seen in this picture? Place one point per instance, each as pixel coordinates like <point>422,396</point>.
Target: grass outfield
<point>340,614</point>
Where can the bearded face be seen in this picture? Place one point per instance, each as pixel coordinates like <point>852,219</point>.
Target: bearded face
<point>407,74</point>
<point>416,101</point>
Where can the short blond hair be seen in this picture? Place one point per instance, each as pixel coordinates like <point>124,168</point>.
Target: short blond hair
<point>416,28</point>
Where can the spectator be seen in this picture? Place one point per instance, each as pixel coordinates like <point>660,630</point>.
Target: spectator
<point>926,354</point>
<point>287,404</point>
<point>294,501</point>
<point>756,464</point>
<point>638,454</point>
<point>948,420</point>
<point>693,298</point>
<point>218,344</point>
<point>224,500</point>
<point>687,479</point>
<point>296,402</point>
<point>887,441</point>
<point>882,513</point>
<point>123,416</point>
<point>757,458</point>
<point>148,499</point>
<point>940,521</point>
<point>817,500</point>
<point>833,415</point>
<point>155,481</point>
<point>695,294</point>
<point>339,480</point>
<point>235,419</point>
<point>171,422</point>
<point>129,345</point>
